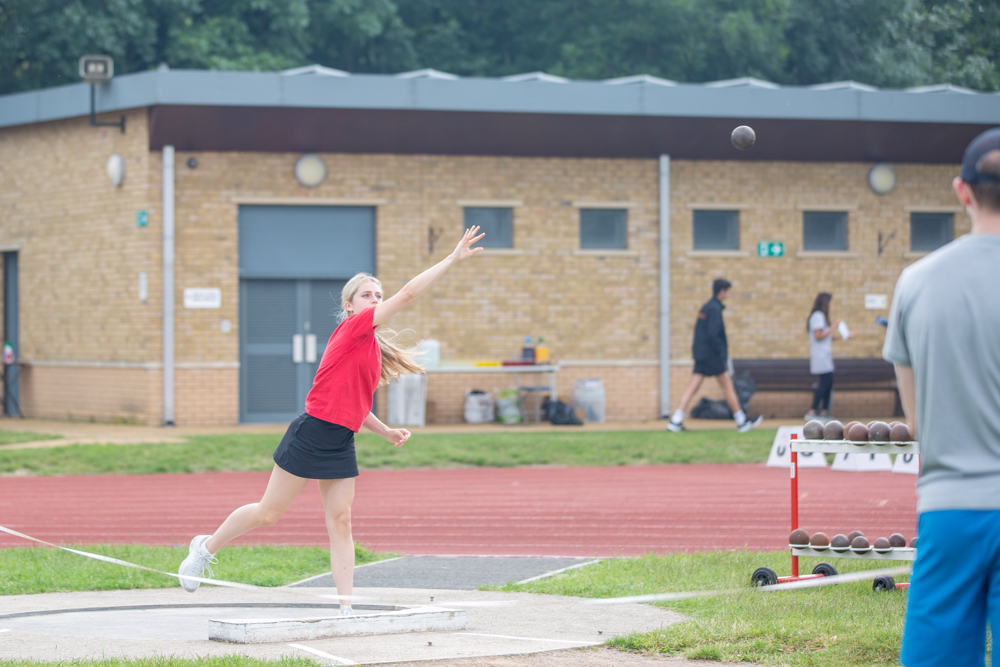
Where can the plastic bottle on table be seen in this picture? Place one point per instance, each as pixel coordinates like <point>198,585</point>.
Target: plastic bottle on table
<point>528,351</point>
<point>541,352</point>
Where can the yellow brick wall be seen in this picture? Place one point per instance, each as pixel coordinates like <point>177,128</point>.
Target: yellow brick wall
<point>81,253</point>
<point>771,297</point>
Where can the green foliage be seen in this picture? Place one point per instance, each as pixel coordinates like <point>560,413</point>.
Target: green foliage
<point>252,451</point>
<point>881,42</point>
<point>834,626</point>
<point>44,570</point>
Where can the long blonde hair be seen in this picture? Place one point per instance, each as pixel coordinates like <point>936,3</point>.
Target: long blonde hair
<point>396,360</point>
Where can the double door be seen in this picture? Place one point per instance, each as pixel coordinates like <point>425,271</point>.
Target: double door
<point>285,325</point>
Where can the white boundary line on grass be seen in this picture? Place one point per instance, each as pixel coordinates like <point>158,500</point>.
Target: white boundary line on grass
<point>555,572</point>
<point>323,654</point>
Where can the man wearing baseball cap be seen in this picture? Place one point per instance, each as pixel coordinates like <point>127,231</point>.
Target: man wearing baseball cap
<point>944,338</point>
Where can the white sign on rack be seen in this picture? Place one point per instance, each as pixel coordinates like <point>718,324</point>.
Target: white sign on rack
<point>861,462</point>
<point>907,463</point>
<point>781,453</point>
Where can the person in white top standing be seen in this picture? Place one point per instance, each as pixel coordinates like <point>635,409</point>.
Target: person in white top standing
<point>821,355</point>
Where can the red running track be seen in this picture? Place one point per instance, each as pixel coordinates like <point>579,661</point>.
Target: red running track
<point>495,511</point>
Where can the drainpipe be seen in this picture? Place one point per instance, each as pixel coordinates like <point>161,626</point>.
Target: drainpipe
<point>664,285</point>
<point>168,285</point>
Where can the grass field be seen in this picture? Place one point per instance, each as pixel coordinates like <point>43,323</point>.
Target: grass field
<point>14,437</point>
<point>823,627</point>
<point>46,570</point>
<point>248,451</point>
<point>846,625</point>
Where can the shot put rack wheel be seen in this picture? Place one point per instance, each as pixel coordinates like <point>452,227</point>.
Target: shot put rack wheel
<point>764,576</point>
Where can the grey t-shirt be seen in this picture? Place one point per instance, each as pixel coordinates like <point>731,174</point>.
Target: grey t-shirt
<point>820,351</point>
<point>945,323</point>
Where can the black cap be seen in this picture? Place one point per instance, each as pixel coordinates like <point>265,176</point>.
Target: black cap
<point>986,142</point>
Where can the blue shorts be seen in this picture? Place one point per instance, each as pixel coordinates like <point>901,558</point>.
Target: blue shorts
<point>954,590</point>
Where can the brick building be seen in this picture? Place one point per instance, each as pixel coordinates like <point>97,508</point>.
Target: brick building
<point>614,205</point>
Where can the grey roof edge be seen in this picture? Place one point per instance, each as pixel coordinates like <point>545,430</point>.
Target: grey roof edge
<point>372,91</point>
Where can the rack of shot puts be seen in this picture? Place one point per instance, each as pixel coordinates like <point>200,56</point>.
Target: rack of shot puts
<point>856,544</point>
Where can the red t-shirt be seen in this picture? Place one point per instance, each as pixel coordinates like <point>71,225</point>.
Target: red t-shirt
<point>348,374</point>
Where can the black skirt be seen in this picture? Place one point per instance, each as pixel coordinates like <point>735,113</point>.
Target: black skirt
<point>316,449</point>
<point>710,367</point>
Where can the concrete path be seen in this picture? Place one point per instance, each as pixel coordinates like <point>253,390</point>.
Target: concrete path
<point>516,623</point>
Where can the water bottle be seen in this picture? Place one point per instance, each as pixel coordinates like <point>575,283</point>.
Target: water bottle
<point>528,351</point>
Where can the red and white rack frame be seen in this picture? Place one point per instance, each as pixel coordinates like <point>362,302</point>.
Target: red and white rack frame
<point>764,576</point>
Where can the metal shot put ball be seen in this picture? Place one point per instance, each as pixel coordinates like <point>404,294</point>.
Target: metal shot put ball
<point>859,545</point>
<point>833,430</point>
<point>743,137</point>
<point>813,430</point>
<point>799,537</point>
<point>840,543</point>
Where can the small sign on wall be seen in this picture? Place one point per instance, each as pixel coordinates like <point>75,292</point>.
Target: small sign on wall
<point>876,301</point>
<point>203,297</point>
<point>770,249</point>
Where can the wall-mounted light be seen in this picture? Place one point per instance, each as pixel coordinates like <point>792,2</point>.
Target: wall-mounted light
<point>192,163</point>
<point>882,179</point>
<point>310,170</point>
<point>116,169</point>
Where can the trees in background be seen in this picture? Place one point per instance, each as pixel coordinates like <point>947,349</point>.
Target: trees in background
<point>886,43</point>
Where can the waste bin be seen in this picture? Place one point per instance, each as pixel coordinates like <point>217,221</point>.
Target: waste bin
<point>589,396</point>
<point>407,400</point>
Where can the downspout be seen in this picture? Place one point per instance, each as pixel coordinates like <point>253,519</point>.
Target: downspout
<point>664,285</point>
<point>168,285</point>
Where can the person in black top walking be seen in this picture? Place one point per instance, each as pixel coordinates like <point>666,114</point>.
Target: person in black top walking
<point>711,359</point>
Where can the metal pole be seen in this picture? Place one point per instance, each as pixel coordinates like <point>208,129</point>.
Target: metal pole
<point>168,285</point>
<point>664,285</point>
<point>795,498</point>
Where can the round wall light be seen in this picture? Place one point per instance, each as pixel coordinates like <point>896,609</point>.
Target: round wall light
<point>116,169</point>
<point>882,178</point>
<point>310,170</point>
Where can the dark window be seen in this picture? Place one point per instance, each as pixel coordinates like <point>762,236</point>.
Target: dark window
<point>716,230</point>
<point>824,230</point>
<point>496,223</point>
<point>603,229</point>
<point>930,231</point>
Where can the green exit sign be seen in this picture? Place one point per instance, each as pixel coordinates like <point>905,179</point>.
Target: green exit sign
<point>770,249</point>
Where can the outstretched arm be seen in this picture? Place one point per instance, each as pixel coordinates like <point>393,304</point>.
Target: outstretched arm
<point>417,286</point>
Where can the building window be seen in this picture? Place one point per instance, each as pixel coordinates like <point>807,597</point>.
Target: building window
<point>930,231</point>
<point>603,229</point>
<point>496,223</point>
<point>824,230</point>
<point>716,230</point>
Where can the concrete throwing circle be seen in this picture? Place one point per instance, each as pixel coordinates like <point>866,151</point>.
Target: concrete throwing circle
<point>160,621</point>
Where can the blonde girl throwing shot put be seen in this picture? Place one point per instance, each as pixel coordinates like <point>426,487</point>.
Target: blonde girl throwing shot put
<point>319,444</point>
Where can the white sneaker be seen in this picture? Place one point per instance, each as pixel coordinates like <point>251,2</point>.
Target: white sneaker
<point>346,611</point>
<point>750,423</point>
<point>676,428</point>
<point>196,563</point>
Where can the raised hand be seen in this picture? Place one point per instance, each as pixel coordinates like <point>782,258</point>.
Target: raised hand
<point>463,249</point>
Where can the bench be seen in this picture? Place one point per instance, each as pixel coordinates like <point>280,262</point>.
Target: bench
<point>792,377</point>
